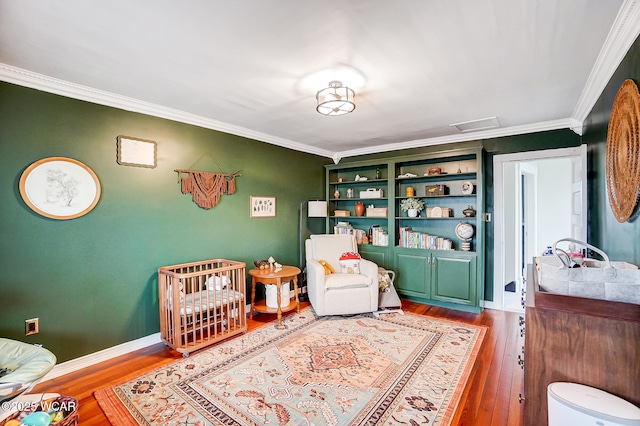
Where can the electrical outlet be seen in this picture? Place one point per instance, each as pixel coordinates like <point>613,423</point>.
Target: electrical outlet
<point>31,326</point>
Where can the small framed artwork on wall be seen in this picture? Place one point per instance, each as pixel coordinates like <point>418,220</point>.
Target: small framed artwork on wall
<point>137,152</point>
<point>263,206</point>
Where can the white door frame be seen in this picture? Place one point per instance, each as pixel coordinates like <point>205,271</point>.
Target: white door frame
<point>529,171</point>
<point>498,213</point>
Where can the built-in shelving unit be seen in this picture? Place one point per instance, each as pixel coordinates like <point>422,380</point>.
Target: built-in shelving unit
<point>453,278</point>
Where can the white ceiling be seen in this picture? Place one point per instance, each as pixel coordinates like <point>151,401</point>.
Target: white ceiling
<point>252,67</point>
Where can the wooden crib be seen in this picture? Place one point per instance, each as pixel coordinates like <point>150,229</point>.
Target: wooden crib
<point>201,303</point>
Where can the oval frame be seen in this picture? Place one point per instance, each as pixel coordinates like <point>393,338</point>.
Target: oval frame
<point>60,188</point>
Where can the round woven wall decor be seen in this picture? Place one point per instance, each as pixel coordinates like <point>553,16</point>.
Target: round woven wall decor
<point>623,152</point>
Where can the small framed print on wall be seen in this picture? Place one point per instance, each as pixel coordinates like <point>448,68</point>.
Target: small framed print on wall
<point>137,152</point>
<point>263,206</point>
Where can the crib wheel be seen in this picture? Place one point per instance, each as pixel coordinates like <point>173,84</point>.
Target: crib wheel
<point>185,354</point>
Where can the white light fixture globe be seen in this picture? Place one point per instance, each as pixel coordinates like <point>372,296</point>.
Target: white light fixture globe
<point>335,99</point>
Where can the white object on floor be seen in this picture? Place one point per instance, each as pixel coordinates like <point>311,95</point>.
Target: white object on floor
<point>388,295</point>
<point>271,291</point>
<point>575,404</point>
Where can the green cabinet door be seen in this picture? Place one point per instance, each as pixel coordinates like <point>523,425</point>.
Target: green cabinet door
<point>453,278</point>
<point>376,254</point>
<point>412,274</point>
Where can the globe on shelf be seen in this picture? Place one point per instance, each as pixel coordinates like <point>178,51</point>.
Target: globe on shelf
<point>465,231</point>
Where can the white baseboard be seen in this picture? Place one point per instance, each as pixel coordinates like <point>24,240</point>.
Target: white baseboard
<point>100,356</point>
<point>492,305</point>
<point>106,354</point>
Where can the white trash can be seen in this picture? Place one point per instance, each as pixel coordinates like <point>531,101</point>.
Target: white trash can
<point>575,404</point>
<point>272,295</point>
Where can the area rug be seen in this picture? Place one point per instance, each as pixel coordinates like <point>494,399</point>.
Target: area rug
<point>360,370</point>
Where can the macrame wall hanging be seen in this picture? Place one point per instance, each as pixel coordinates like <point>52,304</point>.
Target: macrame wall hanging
<point>207,187</point>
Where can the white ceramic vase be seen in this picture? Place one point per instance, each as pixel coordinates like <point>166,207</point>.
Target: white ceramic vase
<point>412,212</point>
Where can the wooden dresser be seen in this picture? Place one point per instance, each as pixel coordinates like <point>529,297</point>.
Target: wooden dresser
<point>572,339</point>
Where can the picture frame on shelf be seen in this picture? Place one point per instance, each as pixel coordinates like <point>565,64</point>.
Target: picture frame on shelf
<point>137,152</point>
<point>261,206</point>
<point>60,188</point>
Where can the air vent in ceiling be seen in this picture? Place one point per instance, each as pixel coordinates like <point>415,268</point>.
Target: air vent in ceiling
<point>481,124</point>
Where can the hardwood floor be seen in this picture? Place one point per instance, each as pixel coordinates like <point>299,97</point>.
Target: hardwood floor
<point>490,397</point>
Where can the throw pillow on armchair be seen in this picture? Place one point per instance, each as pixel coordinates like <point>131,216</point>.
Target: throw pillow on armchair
<point>328,269</point>
<point>350,263</point>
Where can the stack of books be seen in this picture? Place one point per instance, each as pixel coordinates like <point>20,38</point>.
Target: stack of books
<point>343,228</point>
<point>412,239</point>
<point>379,237</point>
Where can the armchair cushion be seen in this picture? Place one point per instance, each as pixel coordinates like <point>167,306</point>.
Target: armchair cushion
<point>344,281</point>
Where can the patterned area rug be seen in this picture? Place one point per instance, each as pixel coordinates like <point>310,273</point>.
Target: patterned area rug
<point>361,370</point>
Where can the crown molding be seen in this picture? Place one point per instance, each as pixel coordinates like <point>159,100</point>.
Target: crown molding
<point>622,35</point>
<point>576,126</point>
<point>466,137</point>
<point>48,84</point>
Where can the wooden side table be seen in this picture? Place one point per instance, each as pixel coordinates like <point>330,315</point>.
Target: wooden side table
<point>273,276</point>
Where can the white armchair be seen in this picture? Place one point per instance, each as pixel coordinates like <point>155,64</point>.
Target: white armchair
<point>338,293</point>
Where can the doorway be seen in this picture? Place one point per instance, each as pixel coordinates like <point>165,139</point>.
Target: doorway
<point>540,197</point>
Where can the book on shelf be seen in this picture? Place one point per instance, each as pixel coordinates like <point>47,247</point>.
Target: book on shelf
<point>343,228</point>
<point>413,239</point>
<point>379,237</point>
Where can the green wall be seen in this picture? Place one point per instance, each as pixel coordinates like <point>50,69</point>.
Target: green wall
<point>619,240</point>
<point>92,280</point>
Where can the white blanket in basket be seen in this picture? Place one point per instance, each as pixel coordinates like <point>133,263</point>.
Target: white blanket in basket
<point>620,282</point>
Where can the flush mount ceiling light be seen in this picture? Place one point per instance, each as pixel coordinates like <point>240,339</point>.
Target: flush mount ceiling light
<point>335,99</point>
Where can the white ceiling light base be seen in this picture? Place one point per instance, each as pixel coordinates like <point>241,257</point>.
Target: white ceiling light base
<point>335,99</point>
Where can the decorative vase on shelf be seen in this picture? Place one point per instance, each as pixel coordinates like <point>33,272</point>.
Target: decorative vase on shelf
<point>412,212</point>
<point>359,208</point>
